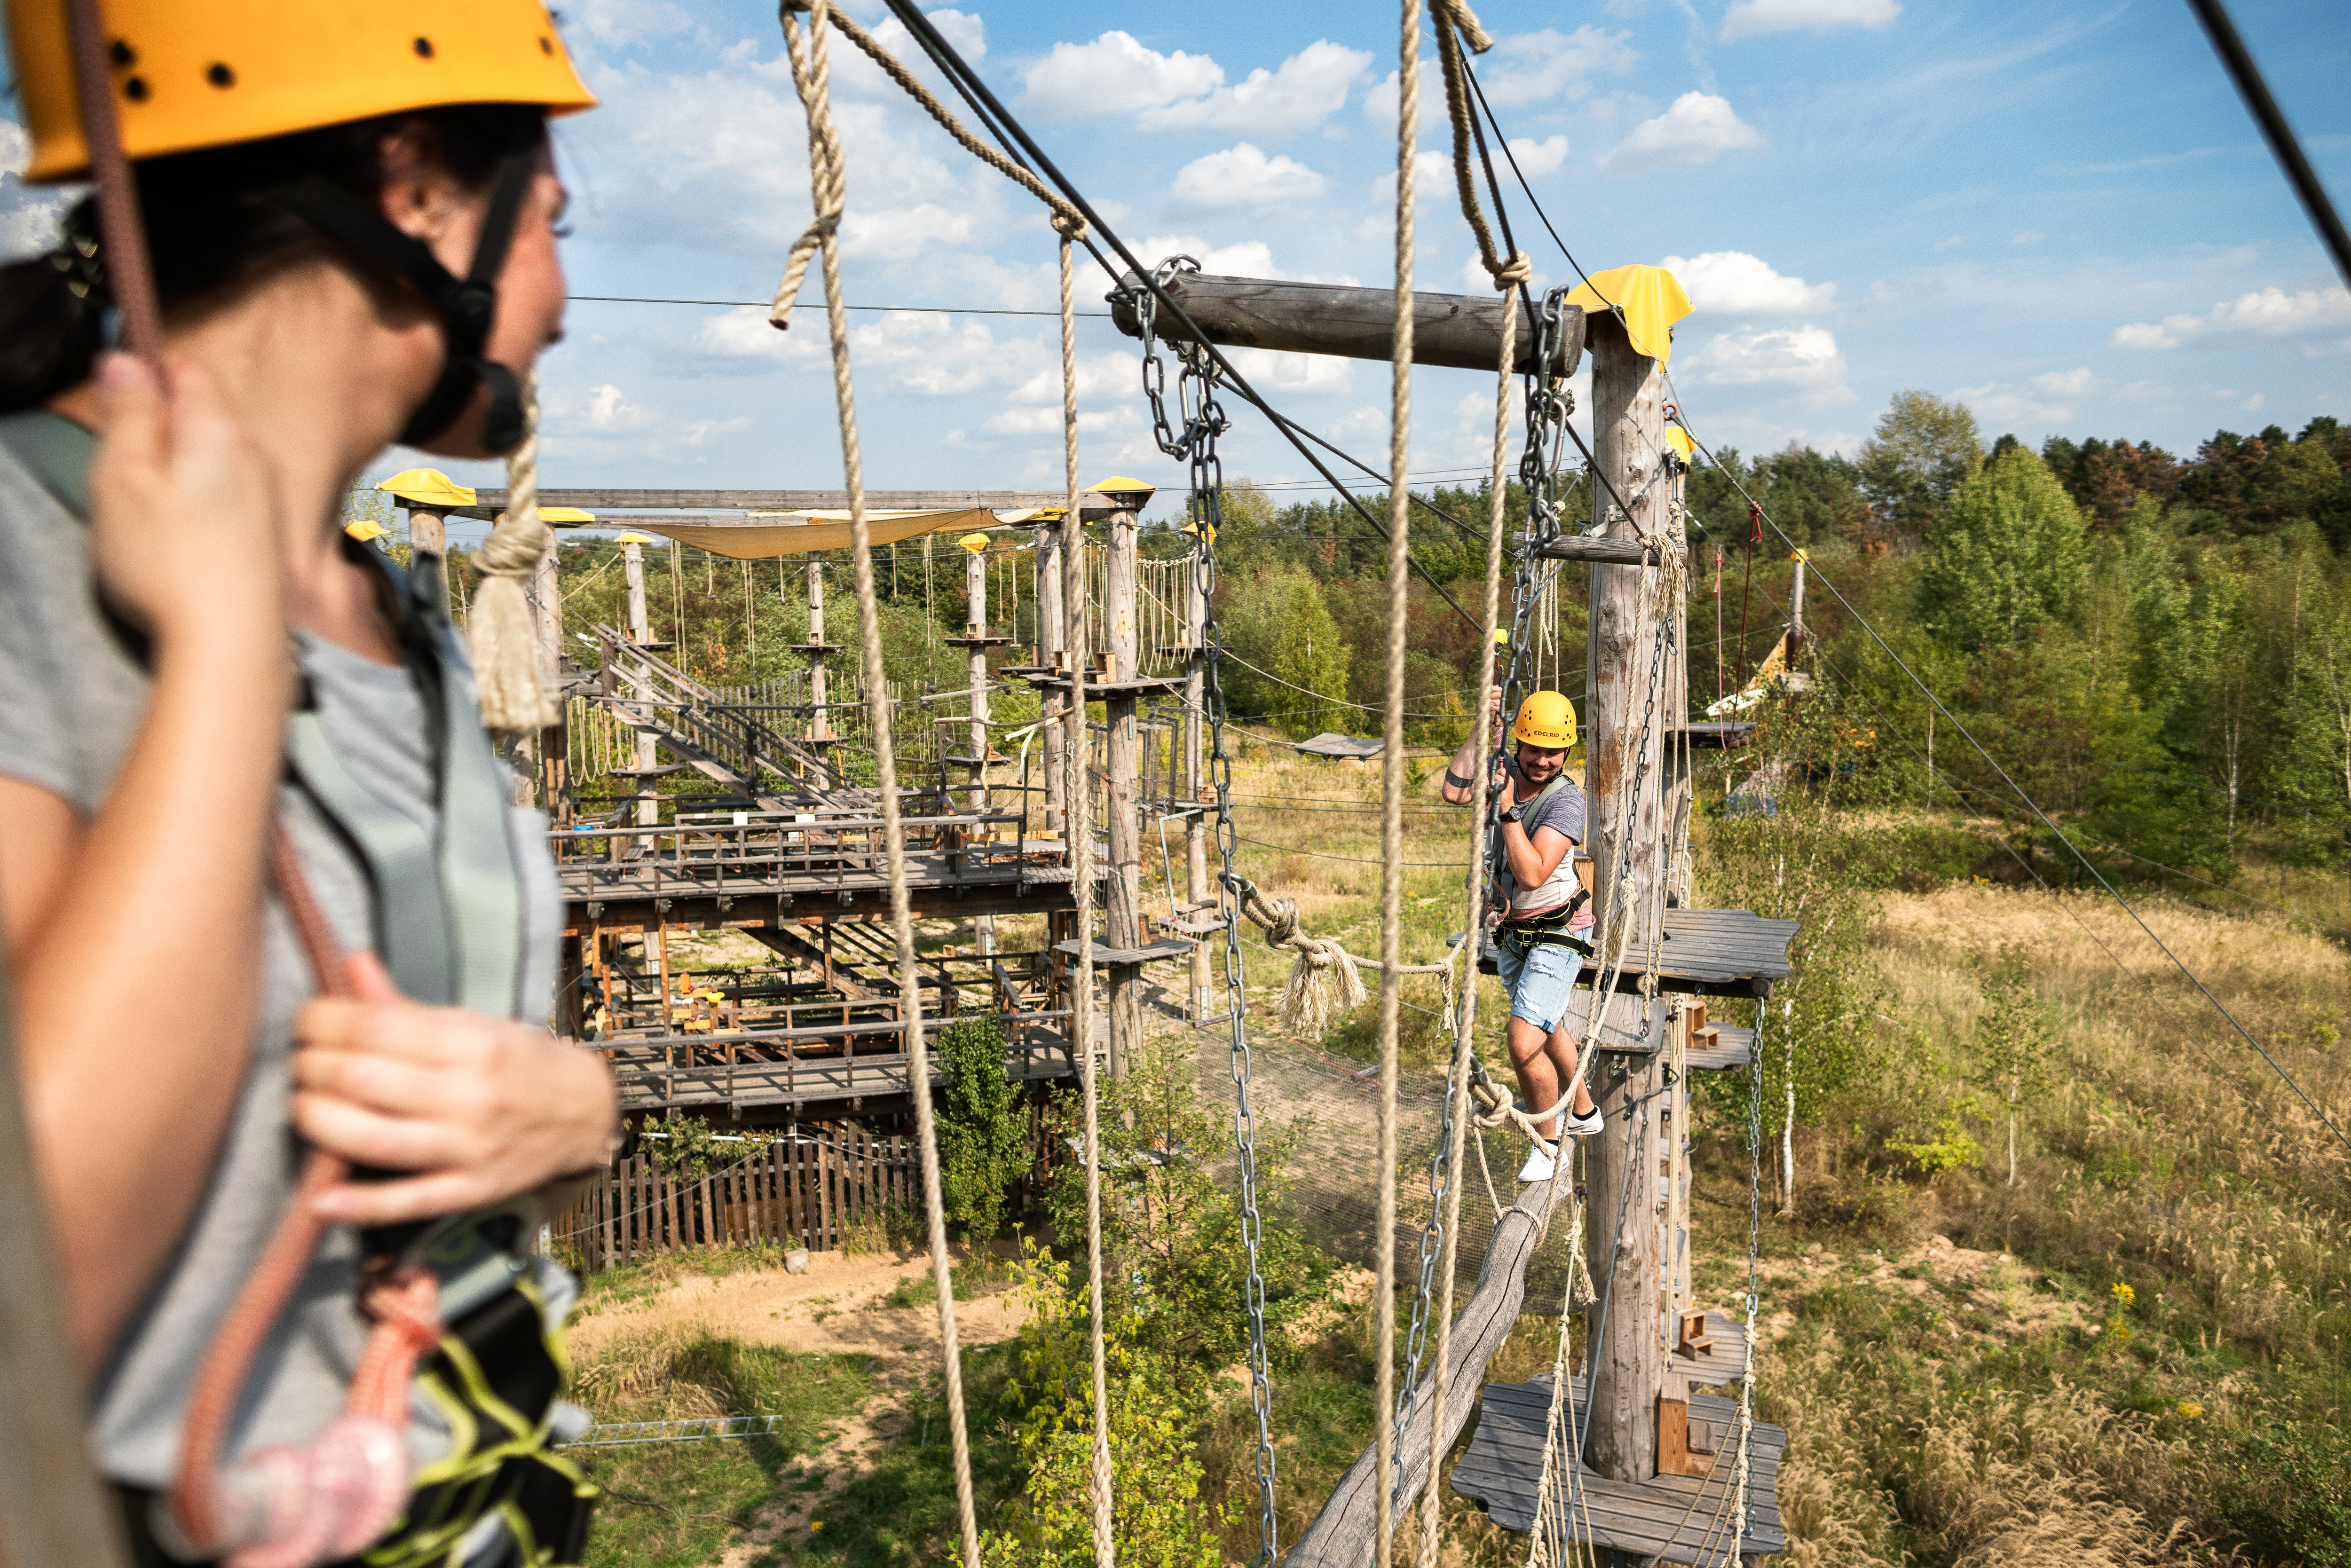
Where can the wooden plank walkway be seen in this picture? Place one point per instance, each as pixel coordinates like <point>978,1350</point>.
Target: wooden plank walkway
<point>1679,1518</point>
<point>647,1083</point>
<point>1707,952</point>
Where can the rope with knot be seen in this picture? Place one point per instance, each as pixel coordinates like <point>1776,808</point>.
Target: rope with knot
<point>829,192</point>
<point>510,661</point>
<point>1324,977</point>
<point>1457,24</point>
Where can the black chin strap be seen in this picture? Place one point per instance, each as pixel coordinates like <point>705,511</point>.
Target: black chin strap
<point>466,306</point>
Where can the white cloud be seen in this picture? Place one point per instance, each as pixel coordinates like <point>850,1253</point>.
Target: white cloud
<point>1432,180</point>
<point>606,412</point>
<point>2028,237</point>
<point>1738,284</point>
<point>1532,67</point>
<point>1380,98</point>
<point>1306,89</point>
<point>1277,372</point>
<point>1537,159</point>
<point>1116,74</point>
<point>1243,179</point>
<point>1113,75</point>
<point>1250,258</point>
<point>29,215</point>
<point>1698,129</point>
<point>2049,398</point>
<point>746,334</point>
<point>2265,313</point>
<point>1747,18</point>
<point>702,432</point>
<point>1947,244</point>
<point>1781,355</point>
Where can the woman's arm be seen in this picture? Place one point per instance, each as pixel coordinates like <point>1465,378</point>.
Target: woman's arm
<point>136,936</point>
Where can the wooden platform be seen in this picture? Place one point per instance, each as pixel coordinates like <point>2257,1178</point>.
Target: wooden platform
<point>1678,1518</point>
<point>1735,1052</point>
<point>1706,952</point>
<point>647,1083</point>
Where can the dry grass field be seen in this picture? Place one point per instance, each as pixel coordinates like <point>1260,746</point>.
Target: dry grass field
<point>2139,1353</point>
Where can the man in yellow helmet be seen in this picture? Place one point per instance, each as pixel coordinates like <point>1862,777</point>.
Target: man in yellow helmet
<point>1540,908</point>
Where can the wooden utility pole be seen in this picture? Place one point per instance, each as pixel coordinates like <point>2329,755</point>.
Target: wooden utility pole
<point>554,741</point>
<point>640,632</point>
<point>1196,780</point>
<point>428,534</point>
<point>974,582</point>
<point>1123,881</point>
<point>1625,1352</point>
<point>1050,646</point>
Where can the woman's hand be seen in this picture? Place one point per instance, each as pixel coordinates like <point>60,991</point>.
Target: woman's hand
<point>183,522</point>
<point>480,1109</point>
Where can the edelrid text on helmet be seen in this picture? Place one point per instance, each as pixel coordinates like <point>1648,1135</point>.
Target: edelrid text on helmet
<point>1546,720</point>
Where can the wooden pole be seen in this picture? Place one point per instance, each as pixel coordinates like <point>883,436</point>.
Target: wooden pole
<point>640,632</point>
<point>1122,887</point>
<point>1455,329</point>
<point>1050,645</point>
<point>974,584</point>
<point>1196,826</point>
<point>1625,1352</point>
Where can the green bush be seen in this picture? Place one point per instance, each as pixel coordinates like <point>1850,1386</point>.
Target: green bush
<point>2287,1491</point>
<point>983,1136</point>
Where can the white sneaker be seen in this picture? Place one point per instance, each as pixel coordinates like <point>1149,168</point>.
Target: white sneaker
<point>1584,1126</point>
<point>1541,1163</point>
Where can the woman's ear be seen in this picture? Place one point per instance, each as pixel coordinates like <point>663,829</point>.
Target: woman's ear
<point>417,197</point>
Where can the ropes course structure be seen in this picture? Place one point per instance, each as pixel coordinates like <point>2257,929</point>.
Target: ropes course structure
<point>1632,775</point>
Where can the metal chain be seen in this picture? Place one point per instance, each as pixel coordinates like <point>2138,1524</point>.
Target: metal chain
<point>1203,420</point>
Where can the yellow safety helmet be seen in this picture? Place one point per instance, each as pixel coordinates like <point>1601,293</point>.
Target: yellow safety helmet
<point>1546,721</point>
<point>206,73</point>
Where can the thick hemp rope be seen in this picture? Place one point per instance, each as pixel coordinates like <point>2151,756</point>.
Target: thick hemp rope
<point>1466,1023</point>
<point>1076,801</point>
<point>1392,780</point>
<point>510,659</point>
<point>829,188</point>
<point>1324,977</point>
<point>809,77</point>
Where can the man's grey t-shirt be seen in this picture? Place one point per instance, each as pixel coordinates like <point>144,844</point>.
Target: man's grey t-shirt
<point>72,693</point>
<point>1562,811</point>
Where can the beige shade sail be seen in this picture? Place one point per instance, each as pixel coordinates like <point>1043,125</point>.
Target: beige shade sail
<point>757,540</point>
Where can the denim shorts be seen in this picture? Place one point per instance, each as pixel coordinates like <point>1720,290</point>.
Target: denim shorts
<point>1540,982</point>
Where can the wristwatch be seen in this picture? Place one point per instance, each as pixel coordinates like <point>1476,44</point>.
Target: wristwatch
<point>1512,815</point>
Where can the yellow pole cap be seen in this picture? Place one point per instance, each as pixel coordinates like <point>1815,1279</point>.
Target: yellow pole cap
<point>1502,639</point>
<point>634,538</point>
<point>428,487</point>
<point>365,528</point>
<point>565,517</point>
<point>1129,493</point>
<point>976,543</point>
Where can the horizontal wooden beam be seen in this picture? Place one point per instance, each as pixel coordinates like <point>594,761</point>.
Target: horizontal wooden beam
<point>1604,552</point>
<point>1460,330</point>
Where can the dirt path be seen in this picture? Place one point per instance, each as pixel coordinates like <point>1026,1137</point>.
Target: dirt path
<point>829,1310</point>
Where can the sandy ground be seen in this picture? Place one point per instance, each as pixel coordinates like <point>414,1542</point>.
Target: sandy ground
<point>828,1311</point>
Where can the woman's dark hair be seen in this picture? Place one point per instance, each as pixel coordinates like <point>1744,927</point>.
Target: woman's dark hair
<point>213,231</point>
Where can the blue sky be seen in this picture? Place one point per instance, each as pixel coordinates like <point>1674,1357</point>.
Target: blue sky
<point>2056,212</point>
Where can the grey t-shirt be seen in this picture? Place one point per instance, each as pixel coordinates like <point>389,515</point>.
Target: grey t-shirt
<point>72,693</point>
<point>1562,811</point>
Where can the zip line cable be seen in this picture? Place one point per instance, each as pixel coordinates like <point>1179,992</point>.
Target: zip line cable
<point>2030,804</point>
<point>765,304</point>
<point>952,65</point>
<point>2275,129</point>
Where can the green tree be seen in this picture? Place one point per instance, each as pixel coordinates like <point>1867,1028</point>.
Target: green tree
<point>983,1136</point>
<point>1310,661</point>
<point>2013,1048</point>
<point>2006,554</point>
<point>1923,449</point>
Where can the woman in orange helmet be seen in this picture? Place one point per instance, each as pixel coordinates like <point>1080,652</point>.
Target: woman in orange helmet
<point>352,212</point>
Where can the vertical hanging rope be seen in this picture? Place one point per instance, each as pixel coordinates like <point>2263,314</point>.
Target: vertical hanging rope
<point>1391,777</point>
<point>509,659</point>
<point>809,77</point>
<point>1466,1021</point>
<point>1081,1022</point>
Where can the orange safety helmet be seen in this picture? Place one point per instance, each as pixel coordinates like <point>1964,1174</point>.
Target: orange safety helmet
<point>191,74</point>
<point>1546,721</point>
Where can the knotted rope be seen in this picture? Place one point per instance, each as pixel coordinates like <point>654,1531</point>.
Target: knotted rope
<point>810,78</point>
<point>1324,977</point>
<point>1457,24</point>
<point>510,659</point>
<point>829,187</point>
<point>1391,781</point>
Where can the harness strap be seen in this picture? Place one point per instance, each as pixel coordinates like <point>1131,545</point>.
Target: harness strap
<point>413,933</point>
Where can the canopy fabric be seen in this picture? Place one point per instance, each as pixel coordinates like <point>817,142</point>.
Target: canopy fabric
<point>1651,300</point>
<point>756,540</point>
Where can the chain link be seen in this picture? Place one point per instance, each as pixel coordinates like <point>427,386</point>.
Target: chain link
<point>1203,420</point>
